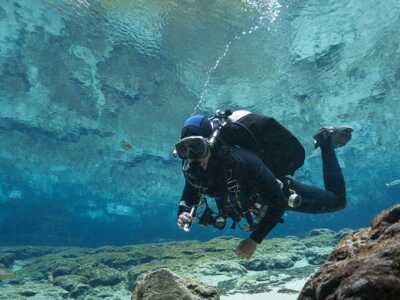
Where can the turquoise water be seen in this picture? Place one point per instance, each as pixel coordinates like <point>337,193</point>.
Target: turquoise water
<point>93,94</point>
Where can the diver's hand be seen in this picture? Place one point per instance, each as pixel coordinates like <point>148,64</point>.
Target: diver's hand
<point>246,248</point>
<point>184,220</point>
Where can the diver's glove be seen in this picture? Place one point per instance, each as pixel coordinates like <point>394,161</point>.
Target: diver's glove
<point>246,248</point>
<point>185,220</point>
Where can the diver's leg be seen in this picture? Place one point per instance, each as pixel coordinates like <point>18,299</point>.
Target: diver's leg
<point>333,177</point>
<point>333,198</point>
<point>316,200</point>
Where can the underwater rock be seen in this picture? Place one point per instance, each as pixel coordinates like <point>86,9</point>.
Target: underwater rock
<point>342,233</point>
<point>79,290</point>
<point>387,217</point>
<point>320,231</point>
<point>317,255</point>
<point>7,259</point>
<point>322,238</point>
<point>69,282</point>
<point>222,267</point>
<point>365,265</point>
<point>105,276</point>
<point>32,290</point>
<point>8,256</point>
<point>165,285</point>
<point>267,263</point>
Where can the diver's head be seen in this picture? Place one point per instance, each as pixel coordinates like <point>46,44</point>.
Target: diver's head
<point>197,125</point>
<point>194,146</point>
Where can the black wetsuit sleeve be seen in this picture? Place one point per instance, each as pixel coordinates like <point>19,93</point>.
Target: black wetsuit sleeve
<point>254,172</point>
<point>190,197</point>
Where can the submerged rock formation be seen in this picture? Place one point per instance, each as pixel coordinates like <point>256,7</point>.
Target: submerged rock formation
<point>112,272</point>
<point>163,284</point>
<point>365,265</point>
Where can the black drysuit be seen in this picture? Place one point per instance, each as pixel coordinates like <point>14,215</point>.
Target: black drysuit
<point>253,176</point>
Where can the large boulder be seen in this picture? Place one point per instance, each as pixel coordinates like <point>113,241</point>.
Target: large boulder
<point>365,265</point>
<point>162,284</point>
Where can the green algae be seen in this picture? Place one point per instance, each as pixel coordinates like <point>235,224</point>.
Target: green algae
<point>92,272</point>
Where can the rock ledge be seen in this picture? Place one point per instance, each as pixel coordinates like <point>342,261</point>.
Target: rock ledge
<point>365,265</point>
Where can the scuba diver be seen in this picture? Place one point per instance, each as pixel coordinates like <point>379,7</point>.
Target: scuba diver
<point>245,162</point>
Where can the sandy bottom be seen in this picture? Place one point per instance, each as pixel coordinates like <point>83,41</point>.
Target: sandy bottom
<point>273,295</point>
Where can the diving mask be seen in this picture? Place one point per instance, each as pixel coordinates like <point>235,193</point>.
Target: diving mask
<point>192,147</point>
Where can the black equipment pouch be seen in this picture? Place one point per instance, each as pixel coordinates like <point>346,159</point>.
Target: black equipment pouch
<point>207,217</point>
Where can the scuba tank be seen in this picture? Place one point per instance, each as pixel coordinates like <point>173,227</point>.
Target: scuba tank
<point>273,143</point>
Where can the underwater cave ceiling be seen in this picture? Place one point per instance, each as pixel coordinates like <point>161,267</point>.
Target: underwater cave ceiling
<point>93,93</point>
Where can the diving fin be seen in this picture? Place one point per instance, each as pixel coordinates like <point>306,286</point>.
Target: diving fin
<point>338,136</point>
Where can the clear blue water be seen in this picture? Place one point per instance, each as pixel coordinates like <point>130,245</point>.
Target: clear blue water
<point>93,94</point>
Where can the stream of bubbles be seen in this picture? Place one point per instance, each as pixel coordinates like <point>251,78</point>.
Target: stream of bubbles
<point>267,12</point>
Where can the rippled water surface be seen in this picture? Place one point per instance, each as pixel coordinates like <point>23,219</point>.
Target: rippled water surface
<point>175,29</point>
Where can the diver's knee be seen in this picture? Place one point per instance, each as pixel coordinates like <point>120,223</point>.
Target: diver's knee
<point>342,202</point>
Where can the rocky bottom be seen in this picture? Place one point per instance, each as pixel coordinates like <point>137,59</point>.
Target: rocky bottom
<point>280,267</point>
<point>365,265</point>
